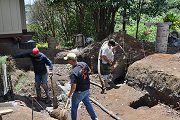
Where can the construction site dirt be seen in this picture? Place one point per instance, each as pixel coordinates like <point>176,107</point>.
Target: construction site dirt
<point>123,100</point>
<point>118,100</point>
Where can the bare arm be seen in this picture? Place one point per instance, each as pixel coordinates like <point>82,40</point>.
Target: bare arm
<point>107,60</point>
<point>73,88</point>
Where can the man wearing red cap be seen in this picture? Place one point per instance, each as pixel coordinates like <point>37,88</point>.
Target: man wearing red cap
<point>39,61</point>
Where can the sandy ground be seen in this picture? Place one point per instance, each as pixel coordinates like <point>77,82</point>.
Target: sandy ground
<point>117,100</point>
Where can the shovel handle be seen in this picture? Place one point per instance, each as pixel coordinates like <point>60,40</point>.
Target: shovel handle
<point>67,102</point>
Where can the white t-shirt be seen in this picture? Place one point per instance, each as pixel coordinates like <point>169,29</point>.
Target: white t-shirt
<point>108,52</point>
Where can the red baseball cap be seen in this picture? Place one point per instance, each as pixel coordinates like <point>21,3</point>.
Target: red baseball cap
<point>35,51</point>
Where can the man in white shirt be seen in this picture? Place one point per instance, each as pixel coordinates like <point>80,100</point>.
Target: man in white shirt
<point>107,60</point>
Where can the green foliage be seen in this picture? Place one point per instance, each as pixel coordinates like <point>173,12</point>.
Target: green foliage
<point>170,18</point>
<point>142,28</point>
<point>22,79</point>
<point>40,34</point>
<point>174,20</point>
<point>65,18</point>
<point>3,59</point>
<point>42,45</point>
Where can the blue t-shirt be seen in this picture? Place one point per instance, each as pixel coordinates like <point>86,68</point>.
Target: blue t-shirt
<point>39,62</point>
<point>79,75</point>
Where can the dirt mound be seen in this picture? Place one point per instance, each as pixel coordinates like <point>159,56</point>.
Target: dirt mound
<point>159,73</point>
<point>134,49</point>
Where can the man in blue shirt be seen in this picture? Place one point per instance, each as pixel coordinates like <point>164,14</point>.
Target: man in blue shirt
<point>80,85</point>
<point>39,61</point>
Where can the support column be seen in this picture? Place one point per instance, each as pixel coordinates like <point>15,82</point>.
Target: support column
<point>162,37</point>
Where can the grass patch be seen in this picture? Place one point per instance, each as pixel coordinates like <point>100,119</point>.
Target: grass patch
<point>3,60</point>
<point>22,79</point>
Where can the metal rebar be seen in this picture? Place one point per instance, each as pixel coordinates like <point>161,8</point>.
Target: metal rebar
<point>32,108</point>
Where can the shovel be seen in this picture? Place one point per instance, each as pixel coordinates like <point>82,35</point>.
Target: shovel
<point>54,100</point>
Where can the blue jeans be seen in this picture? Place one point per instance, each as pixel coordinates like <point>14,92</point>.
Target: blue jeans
<point>83,96</point>
<point>41,79</point>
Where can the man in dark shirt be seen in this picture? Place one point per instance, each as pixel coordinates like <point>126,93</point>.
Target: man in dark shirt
<point>80,85</point>
<point>39,61</point>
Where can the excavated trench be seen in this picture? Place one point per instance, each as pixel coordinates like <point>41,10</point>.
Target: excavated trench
<point>143,101</point>
<point>154,96</point>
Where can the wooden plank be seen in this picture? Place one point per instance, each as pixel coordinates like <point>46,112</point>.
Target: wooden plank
<point>4,112</point>
<point>1,18</point>
<point>6,15</point>
<point>15,10</point>
<point>10,20</point>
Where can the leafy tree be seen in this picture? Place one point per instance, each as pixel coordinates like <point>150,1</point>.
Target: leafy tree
<point>43,21</point>
<point>174,20</point>
<point>147,7</point>
<point>102,13</point>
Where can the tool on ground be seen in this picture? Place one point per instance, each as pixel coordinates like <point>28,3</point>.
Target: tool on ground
<point>54,100</point>
<point>32,97</point>
<point>61,113</point>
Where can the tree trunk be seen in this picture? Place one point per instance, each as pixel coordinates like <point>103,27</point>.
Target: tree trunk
<point>137,27</point>
<point>124,20</point>
<point>106,18</point>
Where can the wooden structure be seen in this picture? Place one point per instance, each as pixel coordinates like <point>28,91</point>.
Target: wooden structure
<point>13,24</point>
